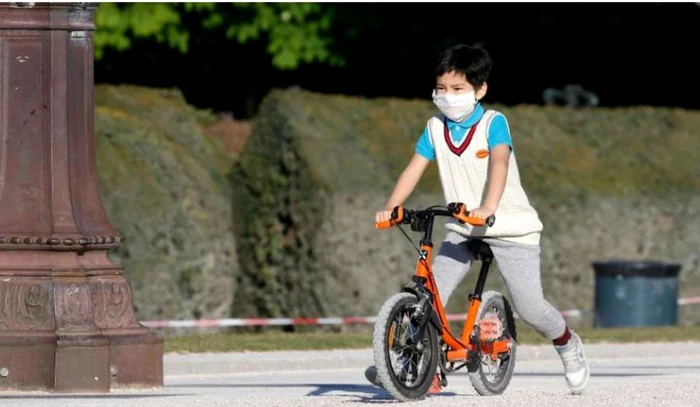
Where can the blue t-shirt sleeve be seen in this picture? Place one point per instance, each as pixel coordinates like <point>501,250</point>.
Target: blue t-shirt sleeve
<point>424,147</point>
<point>499,133</point>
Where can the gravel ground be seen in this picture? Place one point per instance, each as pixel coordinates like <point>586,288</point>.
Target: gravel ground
<point>621,375</point>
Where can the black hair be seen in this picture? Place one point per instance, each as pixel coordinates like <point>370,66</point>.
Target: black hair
<point>471,60</point>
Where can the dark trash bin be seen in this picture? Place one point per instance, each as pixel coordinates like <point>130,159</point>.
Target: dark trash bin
<point>636,293</point>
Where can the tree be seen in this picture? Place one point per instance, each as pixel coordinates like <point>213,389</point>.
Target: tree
<point>294,32</point>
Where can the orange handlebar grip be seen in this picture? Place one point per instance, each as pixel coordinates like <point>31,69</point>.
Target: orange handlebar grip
<point>396,218</point>
<point>463,216</point>
<point>474,221</point>
<point>384,224</point>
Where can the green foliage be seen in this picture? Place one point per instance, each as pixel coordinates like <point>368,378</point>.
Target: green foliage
<point>118,24</point>
<point>164,186</point>
<point>563,154</point>
<point>608,183</point>
<point>270,202</point>
<point>294,32</point>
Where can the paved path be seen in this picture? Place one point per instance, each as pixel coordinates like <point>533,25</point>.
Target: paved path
<point>622,375</point>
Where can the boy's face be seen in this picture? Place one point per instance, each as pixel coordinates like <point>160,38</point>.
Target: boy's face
<point>456,83</point>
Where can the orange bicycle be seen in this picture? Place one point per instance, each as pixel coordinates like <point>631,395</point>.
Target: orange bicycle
<point>412,342</point>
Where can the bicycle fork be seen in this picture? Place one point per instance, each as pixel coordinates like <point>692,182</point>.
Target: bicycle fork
<point>424,312</point>
<point>423,315</point>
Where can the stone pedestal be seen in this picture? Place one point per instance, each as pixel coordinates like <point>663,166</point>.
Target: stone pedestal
<point>66,313</point>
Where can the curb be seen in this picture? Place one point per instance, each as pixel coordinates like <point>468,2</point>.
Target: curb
<point>277,362</point>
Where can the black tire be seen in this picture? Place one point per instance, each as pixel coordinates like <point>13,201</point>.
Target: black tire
<point>485,386</point>
<point>399,304</point>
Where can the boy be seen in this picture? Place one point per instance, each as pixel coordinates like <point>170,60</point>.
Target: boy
<point>473,146</point>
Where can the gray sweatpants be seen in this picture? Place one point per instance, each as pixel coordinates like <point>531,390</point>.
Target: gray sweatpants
<point>520,267</point>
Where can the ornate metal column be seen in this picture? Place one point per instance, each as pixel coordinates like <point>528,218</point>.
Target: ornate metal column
<point>66,311</point>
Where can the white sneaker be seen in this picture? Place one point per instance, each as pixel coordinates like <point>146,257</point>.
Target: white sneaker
<point>575,363</point>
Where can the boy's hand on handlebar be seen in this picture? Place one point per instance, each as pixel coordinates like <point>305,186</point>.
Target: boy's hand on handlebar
<point>482,216</point>
<point>382,216</point>
<point>479,217</point>
<point>482,212</point>
<point>387,218</point>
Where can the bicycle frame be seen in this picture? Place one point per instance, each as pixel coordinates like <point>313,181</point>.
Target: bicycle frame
<point>460,349</point>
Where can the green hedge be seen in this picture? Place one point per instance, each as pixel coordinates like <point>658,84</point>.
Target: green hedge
<point>609,183</point>
<point>164,185</point>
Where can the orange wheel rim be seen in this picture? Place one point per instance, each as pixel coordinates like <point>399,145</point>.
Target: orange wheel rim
<point>390,337</point>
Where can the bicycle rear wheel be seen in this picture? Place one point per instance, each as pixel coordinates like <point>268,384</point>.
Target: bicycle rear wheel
<point>406,368</point>
<point>492,377</point>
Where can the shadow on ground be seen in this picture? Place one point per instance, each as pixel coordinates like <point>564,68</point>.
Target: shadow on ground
<point>369,393</point>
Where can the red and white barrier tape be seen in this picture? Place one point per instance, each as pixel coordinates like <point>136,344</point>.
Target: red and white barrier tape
<point>689,300</point>
<point>225,322</point>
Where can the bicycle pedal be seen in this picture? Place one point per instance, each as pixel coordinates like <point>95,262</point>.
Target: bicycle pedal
<point>490,327</point>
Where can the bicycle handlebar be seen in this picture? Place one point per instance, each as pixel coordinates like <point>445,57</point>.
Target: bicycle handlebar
<point>457,210</point>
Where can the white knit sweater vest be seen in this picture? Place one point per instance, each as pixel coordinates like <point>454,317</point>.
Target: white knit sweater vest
<point>464,179</point>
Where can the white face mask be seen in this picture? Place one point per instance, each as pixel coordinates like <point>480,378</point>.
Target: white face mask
<point>455,107</point>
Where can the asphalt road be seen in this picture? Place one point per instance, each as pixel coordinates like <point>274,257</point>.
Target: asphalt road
<point>622,375</point>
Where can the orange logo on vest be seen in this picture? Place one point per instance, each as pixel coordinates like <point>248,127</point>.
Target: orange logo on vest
<point>483,153</point>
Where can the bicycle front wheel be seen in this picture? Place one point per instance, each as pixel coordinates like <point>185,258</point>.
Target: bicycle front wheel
<point>405,366</point>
